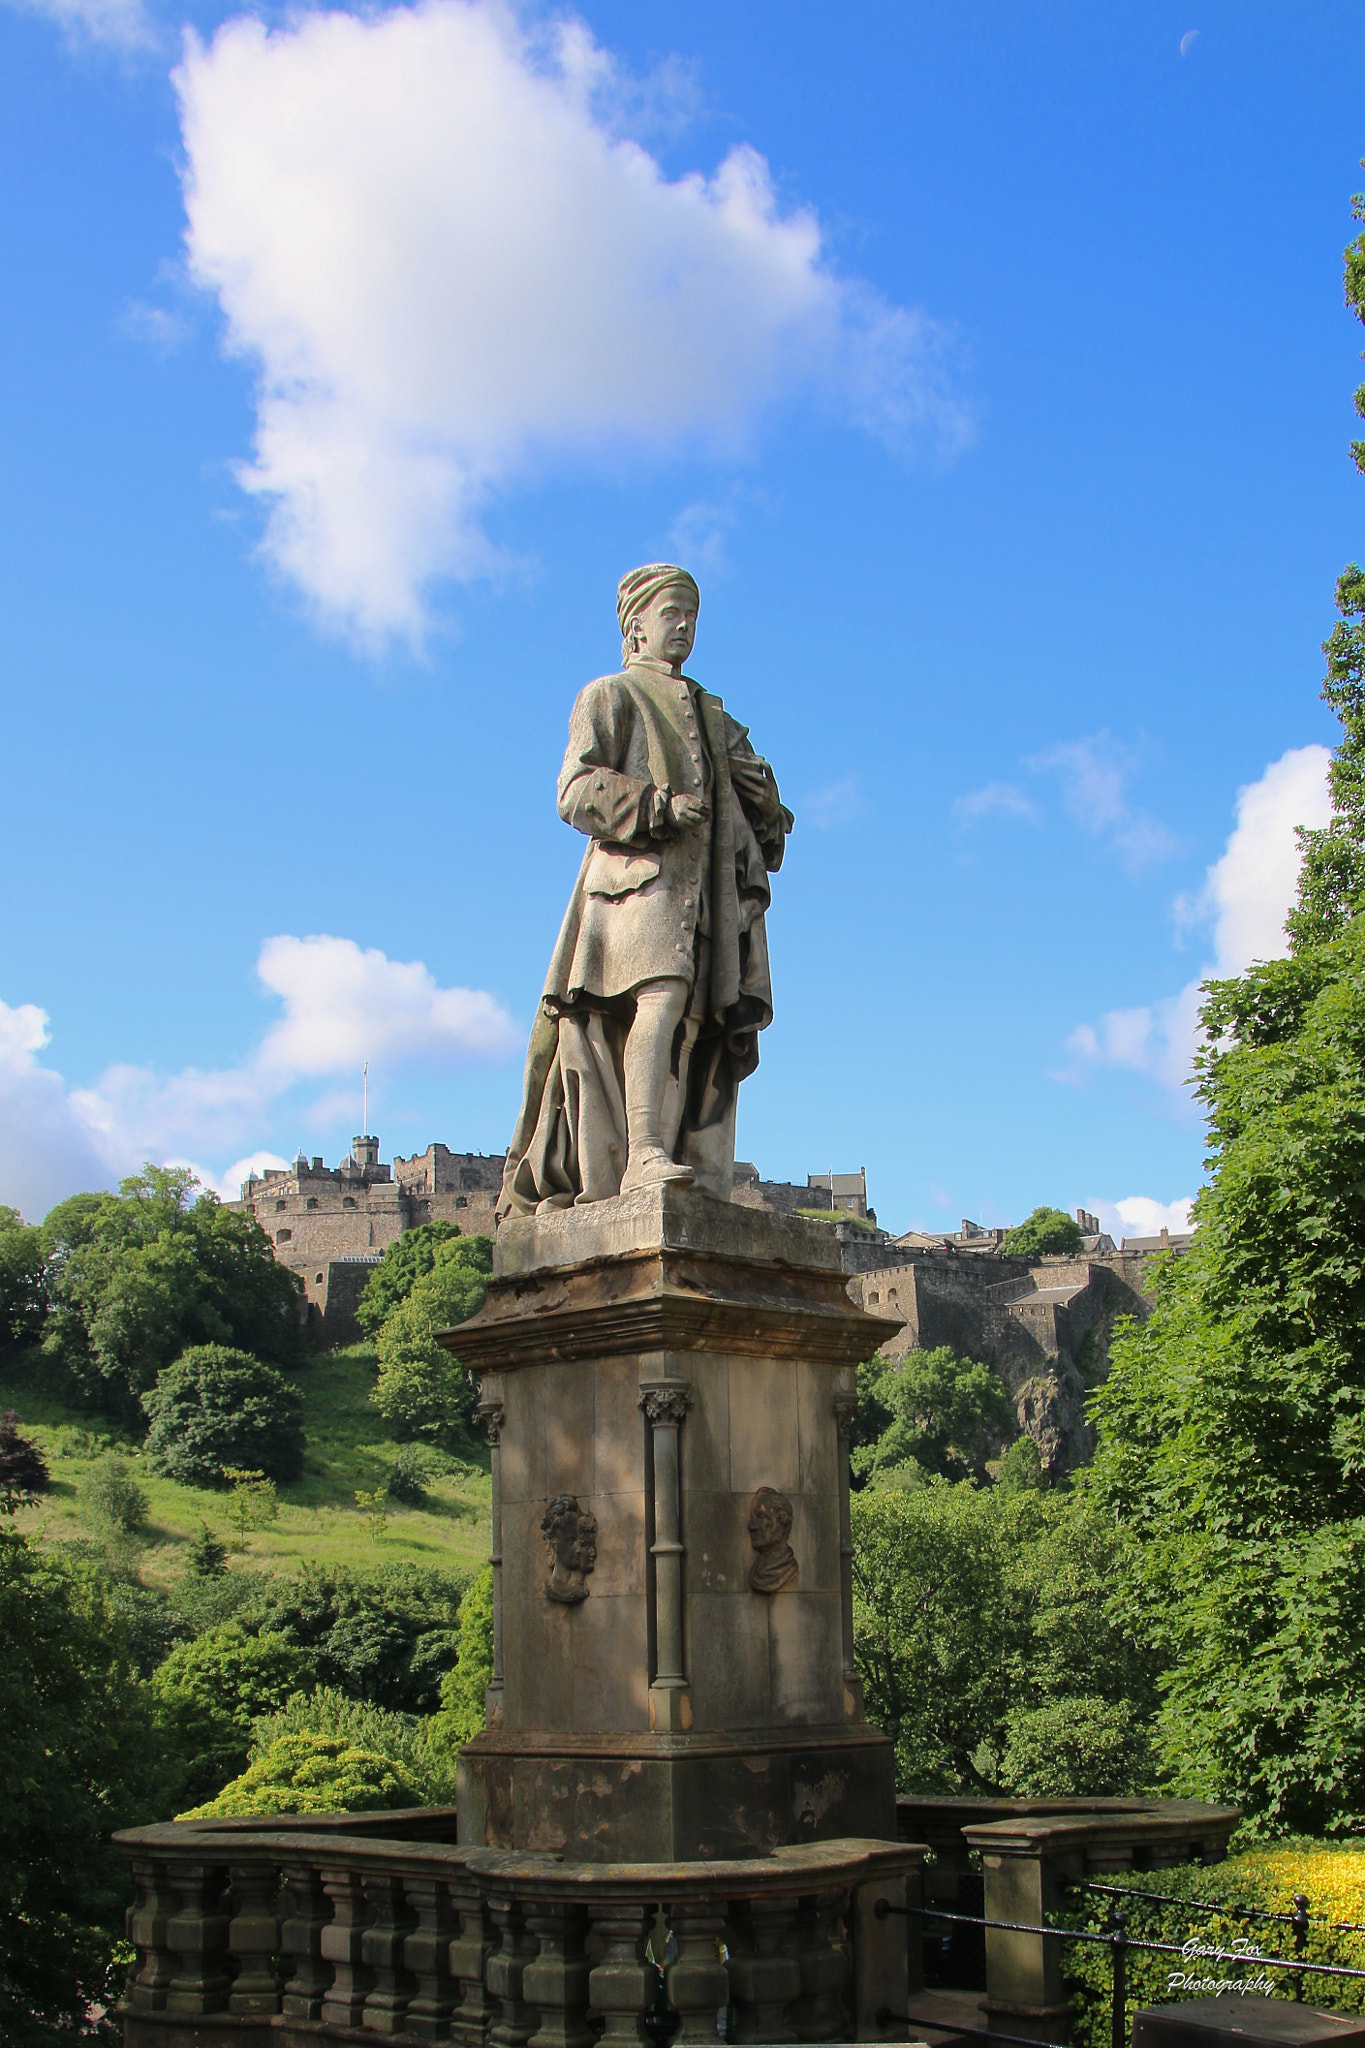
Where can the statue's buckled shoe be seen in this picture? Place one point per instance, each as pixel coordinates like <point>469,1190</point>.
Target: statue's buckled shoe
<point>651,1168</point>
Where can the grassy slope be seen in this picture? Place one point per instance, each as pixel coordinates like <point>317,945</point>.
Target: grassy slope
<point>348,1448</point>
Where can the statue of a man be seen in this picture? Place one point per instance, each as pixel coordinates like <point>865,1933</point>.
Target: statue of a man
<point>659,984</point>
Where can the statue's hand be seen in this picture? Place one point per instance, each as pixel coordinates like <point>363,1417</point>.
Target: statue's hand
<point>687,812</point>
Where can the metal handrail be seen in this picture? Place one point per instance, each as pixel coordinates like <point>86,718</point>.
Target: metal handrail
<point>1124,1891</point>
<point>1165,1948</point>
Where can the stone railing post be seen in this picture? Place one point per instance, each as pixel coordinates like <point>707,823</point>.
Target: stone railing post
<point>381,1950</point>
<point>1024,1991</point>
<point>556,1983</point>
<point>880,1949</point>
<point>309,1911</point>
<point>765,1976</point>
<point>665,1403</point>
<point>619,1986</point>
<point>514,2021</point>
<point>697,1982</point>
<point>343,2002</point>
<point>196,1935</point>
<point>254,1938</point>
<point>491,1413</point>
<point>469,1952</point>
<point>822,1951</point>
<point>845,1408</point>
<point>426,1954</point>
<point>150,1976</point>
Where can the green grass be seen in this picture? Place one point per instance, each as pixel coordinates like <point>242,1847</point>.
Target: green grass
<point>348,1449</point>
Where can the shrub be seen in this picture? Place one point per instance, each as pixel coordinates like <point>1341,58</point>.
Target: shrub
<point>311,1774</point>
<point>23,1468</point>
<point>209,1692</point>
<point>406,1482</point>
<point>462,1713</point>
<point>1332,1878</point>
<point>216,1407</point>
<point>408,1739</point>
<point>208,1555</point>
<point>385,1636</point>
<point>111,1498</point>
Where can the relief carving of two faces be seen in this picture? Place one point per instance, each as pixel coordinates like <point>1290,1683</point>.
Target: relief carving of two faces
<point>570,1533</point>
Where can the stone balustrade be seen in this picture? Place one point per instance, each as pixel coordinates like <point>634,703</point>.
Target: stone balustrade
<point>1028,1851</point>
<point>313,1926</point>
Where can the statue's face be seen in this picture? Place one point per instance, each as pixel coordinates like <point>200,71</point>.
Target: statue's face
<point>766,1524</point>
<point>667,627</point>
<point>581,1552</point>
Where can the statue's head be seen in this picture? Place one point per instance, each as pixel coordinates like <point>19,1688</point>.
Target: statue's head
<point>770,1518</point>
<point>657,608</point>
<point>570,1534</point>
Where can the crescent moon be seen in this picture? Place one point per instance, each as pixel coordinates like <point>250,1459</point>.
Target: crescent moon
<point>1188,41</point>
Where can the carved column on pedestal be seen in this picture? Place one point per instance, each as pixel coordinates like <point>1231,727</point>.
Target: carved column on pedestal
<point>490,1413</point>
<point>665,1404</point>
<point>845,1408</point>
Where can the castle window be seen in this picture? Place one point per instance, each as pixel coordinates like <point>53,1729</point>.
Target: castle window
<point>461,1202</point>
<point>893,1296</point>
<point>874,1297</point>
<point>317,1279</point>
<point>312,1201</point>
<point>348,1201</point>
<point>283,1236</point>
<point>280,1207</point>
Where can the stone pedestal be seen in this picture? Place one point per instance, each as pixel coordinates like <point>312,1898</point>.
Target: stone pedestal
<point>668,1382</point>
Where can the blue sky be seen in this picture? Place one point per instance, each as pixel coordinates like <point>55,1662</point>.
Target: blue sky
<point>987,364</point>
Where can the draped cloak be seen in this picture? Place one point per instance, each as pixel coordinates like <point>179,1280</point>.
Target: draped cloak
<point>651,900</point>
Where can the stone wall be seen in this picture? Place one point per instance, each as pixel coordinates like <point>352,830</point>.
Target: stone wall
<point>1044,1327</point>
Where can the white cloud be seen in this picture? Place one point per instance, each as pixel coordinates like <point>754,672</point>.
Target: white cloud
<point>1094,773</point>
<point>996,800</point>
<point>121,25</point>
<point>341,1006</point>
<point>450,267</point>
<point>48,1150</point>
<point>838,803</point>
<point>1141,1216</point>
<point>1245,896</point>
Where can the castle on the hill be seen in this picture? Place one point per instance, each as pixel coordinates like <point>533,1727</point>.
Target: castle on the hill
<point>1043,1324</point>
<point>333,1224</point>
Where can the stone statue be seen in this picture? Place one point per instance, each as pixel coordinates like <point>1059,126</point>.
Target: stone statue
<point>570,1534</point>
<point>770,1527</point>
<point>659,984</point>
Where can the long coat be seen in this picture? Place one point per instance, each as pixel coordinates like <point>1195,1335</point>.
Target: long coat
<point>650,901</point>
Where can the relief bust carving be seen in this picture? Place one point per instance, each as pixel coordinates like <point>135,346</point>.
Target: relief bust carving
<point>770,1527</point>
<point>570,1534</point>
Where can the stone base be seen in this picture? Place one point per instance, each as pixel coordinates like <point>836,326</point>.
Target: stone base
<point>625,1798</point>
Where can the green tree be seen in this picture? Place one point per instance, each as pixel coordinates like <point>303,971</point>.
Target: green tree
<point>209,1691</point>
<point>398,1272</point>
<point>216,1408</point>
<point>1041,1235</point>
<point>409,1739</point>
<point>462,1712</point>
<point>23,1294</point>
<point>1232,1426</point>
<point>133,1280</point>
<point>999,1644</point>
<point>23,1468</point>
<point>111,1498</point>
<point>422,1390</point>
<point>208,1555</point>
<point>312,1774</point>
<point>81,1759</point>
<point>253,1502</point>
<point>932,1412</point>
<point>386,1636</point>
